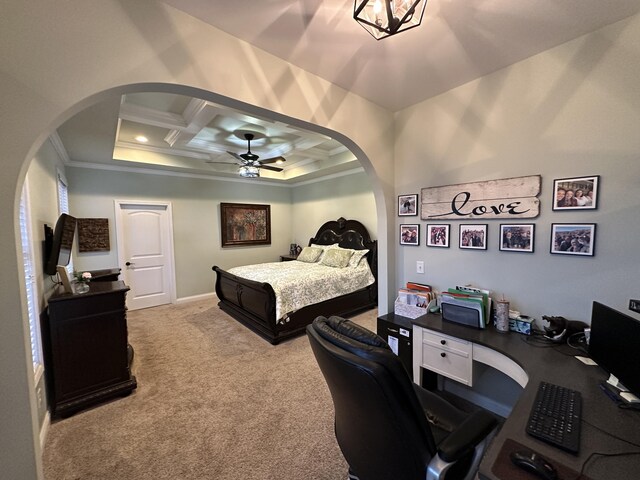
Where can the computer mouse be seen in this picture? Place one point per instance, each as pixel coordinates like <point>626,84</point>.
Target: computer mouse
<point>534,463</point>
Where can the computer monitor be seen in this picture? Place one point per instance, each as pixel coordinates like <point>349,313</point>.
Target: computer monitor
<point>614,344</point>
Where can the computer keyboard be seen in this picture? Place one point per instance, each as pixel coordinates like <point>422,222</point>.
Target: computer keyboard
<point>555,416</point>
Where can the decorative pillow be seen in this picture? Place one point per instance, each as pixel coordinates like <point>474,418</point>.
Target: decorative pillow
<point>309,255</point>
<point>336,257</point>
<point>357,257</point>
<point>324,248</point>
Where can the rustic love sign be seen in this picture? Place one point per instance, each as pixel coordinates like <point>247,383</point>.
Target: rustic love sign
<point>507,198</point>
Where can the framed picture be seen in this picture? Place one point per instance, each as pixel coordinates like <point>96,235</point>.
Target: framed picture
<point>473,236</point>
<point>580,193</point>
<point>517,237</point>
<point>573,238</point>
<point>410,235</point>
<point>243,224</point>
<point>408,204</point>
<point>438,235</point>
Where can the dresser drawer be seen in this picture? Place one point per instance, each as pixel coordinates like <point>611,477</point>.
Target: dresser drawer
<point>447,356</point>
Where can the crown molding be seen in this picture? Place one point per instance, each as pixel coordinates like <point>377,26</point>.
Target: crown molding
<point>58,146</point>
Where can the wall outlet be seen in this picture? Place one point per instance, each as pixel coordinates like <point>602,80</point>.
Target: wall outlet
<point>634,305</point>
<point>419,266</point>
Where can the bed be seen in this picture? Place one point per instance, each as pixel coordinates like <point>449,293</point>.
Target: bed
<point>254,303</point>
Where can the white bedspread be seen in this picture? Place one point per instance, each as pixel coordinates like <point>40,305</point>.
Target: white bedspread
<point>298,284</point>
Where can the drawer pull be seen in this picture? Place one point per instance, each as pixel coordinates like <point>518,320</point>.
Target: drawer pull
<point>443,342</point>
<point>443,354</point>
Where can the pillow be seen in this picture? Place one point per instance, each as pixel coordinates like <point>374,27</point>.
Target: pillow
<point>336,257</point>
<point>310,255</point>
<point>324,248</point>
<point>357,257</point>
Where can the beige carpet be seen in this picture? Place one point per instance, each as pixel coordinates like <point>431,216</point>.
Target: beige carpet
<point>214,401</point>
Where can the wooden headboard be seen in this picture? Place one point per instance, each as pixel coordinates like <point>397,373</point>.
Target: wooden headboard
<point>349,234</point>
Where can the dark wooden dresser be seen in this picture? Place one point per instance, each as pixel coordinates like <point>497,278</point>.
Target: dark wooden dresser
<point>85,347</point>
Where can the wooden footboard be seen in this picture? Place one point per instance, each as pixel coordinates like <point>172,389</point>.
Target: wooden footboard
<point>251,303</point>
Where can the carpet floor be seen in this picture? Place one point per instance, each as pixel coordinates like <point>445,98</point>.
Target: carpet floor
<point>214,401</point>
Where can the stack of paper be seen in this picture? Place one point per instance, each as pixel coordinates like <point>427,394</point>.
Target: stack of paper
<point>470,297</point>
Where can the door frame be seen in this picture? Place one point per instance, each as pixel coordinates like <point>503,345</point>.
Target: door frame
<point>120,237</point>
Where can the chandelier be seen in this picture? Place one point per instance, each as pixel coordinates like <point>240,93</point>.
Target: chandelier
<point>248,171</point>
<point>383,18</point>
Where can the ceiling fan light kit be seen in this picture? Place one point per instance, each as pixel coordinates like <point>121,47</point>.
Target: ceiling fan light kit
<point>384,18</point>
<point>250,163</point>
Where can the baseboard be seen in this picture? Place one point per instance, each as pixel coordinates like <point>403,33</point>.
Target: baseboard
<point>44,430</point>
<point>195,298</point>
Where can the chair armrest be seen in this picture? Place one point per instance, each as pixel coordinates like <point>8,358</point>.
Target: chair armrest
<point>468,434</point>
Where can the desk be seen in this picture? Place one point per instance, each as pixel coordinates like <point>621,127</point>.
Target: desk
<point>528,365</point>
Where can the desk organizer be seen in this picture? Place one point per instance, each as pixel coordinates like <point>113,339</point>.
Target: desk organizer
<point>409,311</point>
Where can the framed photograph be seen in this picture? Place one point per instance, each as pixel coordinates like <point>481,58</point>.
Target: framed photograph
<point>580,193</point>
<point>573,238</point>
<point>438,235</point>
<point>408,204</point>
<point>473,236</point>
<point>517,237</point>
<point>410,235</point>
<point>243,224</point>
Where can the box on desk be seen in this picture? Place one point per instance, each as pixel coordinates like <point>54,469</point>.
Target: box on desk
<point>521,324</point>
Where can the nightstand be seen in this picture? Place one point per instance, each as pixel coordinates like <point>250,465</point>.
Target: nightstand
<point>287,258</point>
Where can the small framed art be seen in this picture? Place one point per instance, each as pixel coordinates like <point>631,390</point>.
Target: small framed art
<point>473,236</point>
<point>573,238</point>
<point>408,204</point>
<point>579,193</point>
<point>410,235</point>
<point>517,237</point>
<point>438,235</point>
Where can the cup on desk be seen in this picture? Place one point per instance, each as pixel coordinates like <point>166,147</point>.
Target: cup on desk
<point>502,316</point>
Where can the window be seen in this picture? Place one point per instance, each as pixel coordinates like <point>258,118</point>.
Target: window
<point>63,207</point>
<point>30,279</point>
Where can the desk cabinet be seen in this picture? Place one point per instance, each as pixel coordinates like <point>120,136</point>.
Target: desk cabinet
<point>401,332</point>
<point>85,347</point>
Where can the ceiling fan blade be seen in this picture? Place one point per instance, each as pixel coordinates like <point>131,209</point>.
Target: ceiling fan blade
<point>268,167</point>
<point>273,160</point>
<point>223,163</point>
<point>235,155</point>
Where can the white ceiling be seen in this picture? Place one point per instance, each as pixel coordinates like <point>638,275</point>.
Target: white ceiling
<point>458,41</point>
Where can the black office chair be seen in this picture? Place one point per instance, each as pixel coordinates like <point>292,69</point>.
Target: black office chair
<point>387,427</point>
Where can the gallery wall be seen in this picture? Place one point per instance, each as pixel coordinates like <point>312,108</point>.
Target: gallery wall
<point>571,111</point>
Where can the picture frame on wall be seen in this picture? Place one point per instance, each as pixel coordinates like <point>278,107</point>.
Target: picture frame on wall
<point>438,235</point>
<point>573,239</point>
<point>473,236</point>
<point>517,237</point>
<point>578,193</point>
<point>245,224</point>
<point>408,205</point>
<point>410,234</point>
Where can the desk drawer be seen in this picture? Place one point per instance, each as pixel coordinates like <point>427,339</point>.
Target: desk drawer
<point>446,343</point>
<point>447,356</point>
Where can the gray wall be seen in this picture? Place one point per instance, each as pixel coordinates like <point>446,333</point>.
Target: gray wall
<point>348,196</point>
<point>571,111</point>
<point>296,214</point>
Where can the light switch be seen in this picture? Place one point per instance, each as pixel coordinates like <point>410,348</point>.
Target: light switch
<point>419,266</point>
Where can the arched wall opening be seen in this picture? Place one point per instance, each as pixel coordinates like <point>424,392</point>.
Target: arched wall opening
<point>233,104</point>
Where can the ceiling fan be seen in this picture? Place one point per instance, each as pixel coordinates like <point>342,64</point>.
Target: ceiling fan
<point>250,163</point>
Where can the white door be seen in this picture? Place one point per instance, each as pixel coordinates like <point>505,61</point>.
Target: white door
<point>145,252</point>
